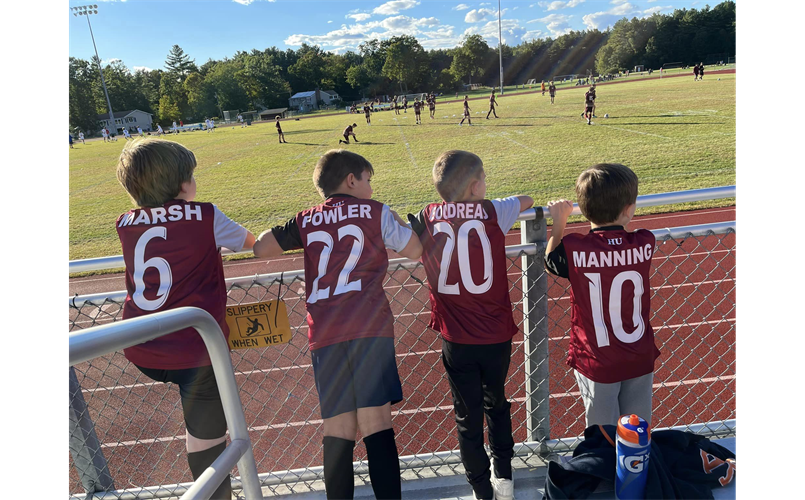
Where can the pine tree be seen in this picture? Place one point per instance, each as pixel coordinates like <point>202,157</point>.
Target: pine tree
<point>180,63</point>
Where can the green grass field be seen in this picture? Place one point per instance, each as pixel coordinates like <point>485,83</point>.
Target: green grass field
<point>676,134</point>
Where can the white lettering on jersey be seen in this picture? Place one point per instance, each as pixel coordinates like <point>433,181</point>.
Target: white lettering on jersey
<point>158,215</point>
<point>612,258</point>
<point>338,214</point>
<point>459,211</point>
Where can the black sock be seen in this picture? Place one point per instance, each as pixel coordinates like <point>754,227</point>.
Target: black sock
<point>339,481</point>
<point>200,460</point>
<point>384,464</point>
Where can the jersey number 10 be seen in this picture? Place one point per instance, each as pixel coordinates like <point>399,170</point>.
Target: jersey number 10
<point>615,318</point>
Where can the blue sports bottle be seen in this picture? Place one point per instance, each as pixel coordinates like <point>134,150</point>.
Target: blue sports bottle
<point>632,448</point>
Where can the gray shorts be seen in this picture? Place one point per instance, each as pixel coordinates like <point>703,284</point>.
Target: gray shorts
<point>604,403</point>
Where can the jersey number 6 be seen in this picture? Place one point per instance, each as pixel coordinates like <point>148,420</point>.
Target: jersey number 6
<point>160,264</point>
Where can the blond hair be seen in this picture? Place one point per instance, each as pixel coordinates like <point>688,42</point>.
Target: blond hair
<point>335,166</point>
<point>604,190</point>
<point>152,171</point>
<point>453,171</point>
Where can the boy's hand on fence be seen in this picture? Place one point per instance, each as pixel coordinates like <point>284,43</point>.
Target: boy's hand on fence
<point>416,224</point>
<point>560,210</point>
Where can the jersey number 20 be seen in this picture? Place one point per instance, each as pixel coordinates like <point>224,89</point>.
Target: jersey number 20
<point>463,257</point>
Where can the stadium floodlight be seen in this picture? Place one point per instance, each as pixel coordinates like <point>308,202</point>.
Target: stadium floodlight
<point>500,49</point>
<point>86,11</point>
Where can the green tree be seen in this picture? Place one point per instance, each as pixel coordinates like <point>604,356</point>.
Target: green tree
<point>470,58</point>
<point>83,113</point>
<point>179,63</point>
<point>406,61</point>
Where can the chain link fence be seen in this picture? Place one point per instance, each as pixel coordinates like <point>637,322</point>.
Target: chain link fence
<point>137,442</point>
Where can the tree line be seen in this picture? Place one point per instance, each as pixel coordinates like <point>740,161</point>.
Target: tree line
<point>259,79</point>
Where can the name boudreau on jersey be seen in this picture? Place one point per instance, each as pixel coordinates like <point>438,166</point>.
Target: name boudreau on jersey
<point>338,214</point>
<point>459,211</point>
<point>158,214</point>
<point>611,258</point>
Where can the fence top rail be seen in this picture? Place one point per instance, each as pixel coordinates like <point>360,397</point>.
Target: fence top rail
<point>648,200</point>
<point>512,251</point>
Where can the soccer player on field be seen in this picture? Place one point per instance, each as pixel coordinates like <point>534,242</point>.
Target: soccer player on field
<point>159,130</point>
<point>395,106</point>
<point>126,134</point>
<point>348,132</point>
<point>589,103</point>
<point>417,111</point>
<point>71,140</point>
<point>280,134</point>
<point>543,87</point>
<point>432,106</point>
<point>612,349</point>
<point>175,128</point>
<point>140,131</point>
<point>185,239</point>
<point>367,111</point>
<point>405,104</point>
<point>105,134</point>
<point>701,71</point>
<point>492,103</point>
<point>552,91</point>
<point>464,256</point>
<point>695,72</point>
<point>81,137</point>
<point>351,327</point>
<point>466,115</point>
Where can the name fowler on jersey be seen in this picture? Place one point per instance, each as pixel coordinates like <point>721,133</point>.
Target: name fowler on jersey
<point>611,258</point>
<point>473,210</point>
<point>158,215</point>
<point>337,215</point>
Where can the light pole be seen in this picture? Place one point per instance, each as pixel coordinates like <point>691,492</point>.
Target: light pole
<point>87,10</point>
<point>500,49</point>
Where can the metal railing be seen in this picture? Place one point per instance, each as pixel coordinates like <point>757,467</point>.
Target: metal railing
<point>86,345</point>
<point>693,315</point>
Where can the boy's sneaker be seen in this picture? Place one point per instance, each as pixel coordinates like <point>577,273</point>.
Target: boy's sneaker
<point>475,496</point>
<point>504,488</point>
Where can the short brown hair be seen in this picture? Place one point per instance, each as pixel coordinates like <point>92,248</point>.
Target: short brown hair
<point>152,171</point>
<point>335,166</point>
<point>604,190</point>
<point>453,172</point>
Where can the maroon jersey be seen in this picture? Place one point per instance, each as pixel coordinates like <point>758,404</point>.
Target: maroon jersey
<point>552,89</point>
<point>611,339</point>
<point>348,130</point>
<point>465,261</point>
<point>589,98</point>
<point>172,260</point>
<point>345,243</point>
<point>417,106</point>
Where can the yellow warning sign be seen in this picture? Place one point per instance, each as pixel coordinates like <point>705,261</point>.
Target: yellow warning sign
<point>258,325</point>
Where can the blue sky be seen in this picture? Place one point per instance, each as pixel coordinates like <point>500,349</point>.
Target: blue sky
<point>141,32</point>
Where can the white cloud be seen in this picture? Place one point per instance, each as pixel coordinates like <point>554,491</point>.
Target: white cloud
<point>348,37</point>
<point>328,22</point>
<point>395,7</point>
<point>461,6</point>
<point>549,6</point>
<point>616,2</point>
<point>600,20</point>
<point>242,2</point>
<point>515,8</point>
<point>511,30</point>
<point>532,35</point>
<point>141,68</point>
<point>476,16</point>
<point>652,10</point>
<point>557,24</point>
<point>359,17</point>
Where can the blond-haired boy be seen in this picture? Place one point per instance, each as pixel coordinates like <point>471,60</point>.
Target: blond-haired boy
<point>464,257</point>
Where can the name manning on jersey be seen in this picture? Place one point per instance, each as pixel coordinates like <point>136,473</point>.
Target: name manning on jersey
<point>160,214</point>
<point>612,258</point>
<point>459,211</point>
<point>338,214</point>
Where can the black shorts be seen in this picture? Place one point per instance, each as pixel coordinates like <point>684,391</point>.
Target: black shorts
<point>201,402</point>
<point>354,374</point>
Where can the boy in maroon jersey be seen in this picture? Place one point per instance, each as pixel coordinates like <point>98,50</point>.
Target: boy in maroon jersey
<point>172,250</point>
<point>464,256</point>
<point>612,349</point>
<point>589,104</point>
<point>695,72</point>
<point>367,113</point>
<point>552,91</point>
<point>701,71</point>
<point>280,134</point>
<point>492,103</point>
<point>466,115</point>
<point>351,327</point>
<point>405,104</point>
<point>432,106</point>
<point>349,132</point>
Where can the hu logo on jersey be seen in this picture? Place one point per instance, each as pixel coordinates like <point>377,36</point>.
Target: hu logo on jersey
<point>615,241</point>
<point>634,464</point>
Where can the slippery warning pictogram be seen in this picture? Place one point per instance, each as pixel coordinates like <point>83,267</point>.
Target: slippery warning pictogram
<point>258,325</point>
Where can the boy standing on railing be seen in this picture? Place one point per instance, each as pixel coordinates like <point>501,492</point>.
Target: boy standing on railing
<point>612,349</point>
<point>171,247</point>
<point>351,327</point>
<point>464,256</point>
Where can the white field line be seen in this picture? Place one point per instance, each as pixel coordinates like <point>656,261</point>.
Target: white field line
<point>405,140</point>
<point>404,355</point>
<point>429,409</point>
<point>506,136</point>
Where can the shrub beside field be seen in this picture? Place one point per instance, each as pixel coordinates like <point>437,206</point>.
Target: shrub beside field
<point>675,133</point>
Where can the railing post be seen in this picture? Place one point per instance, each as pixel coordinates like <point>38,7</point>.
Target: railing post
<point>535,329</point>
<point>84,445</point>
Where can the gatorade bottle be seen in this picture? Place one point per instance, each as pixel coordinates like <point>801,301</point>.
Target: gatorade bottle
<point>632,449</point>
